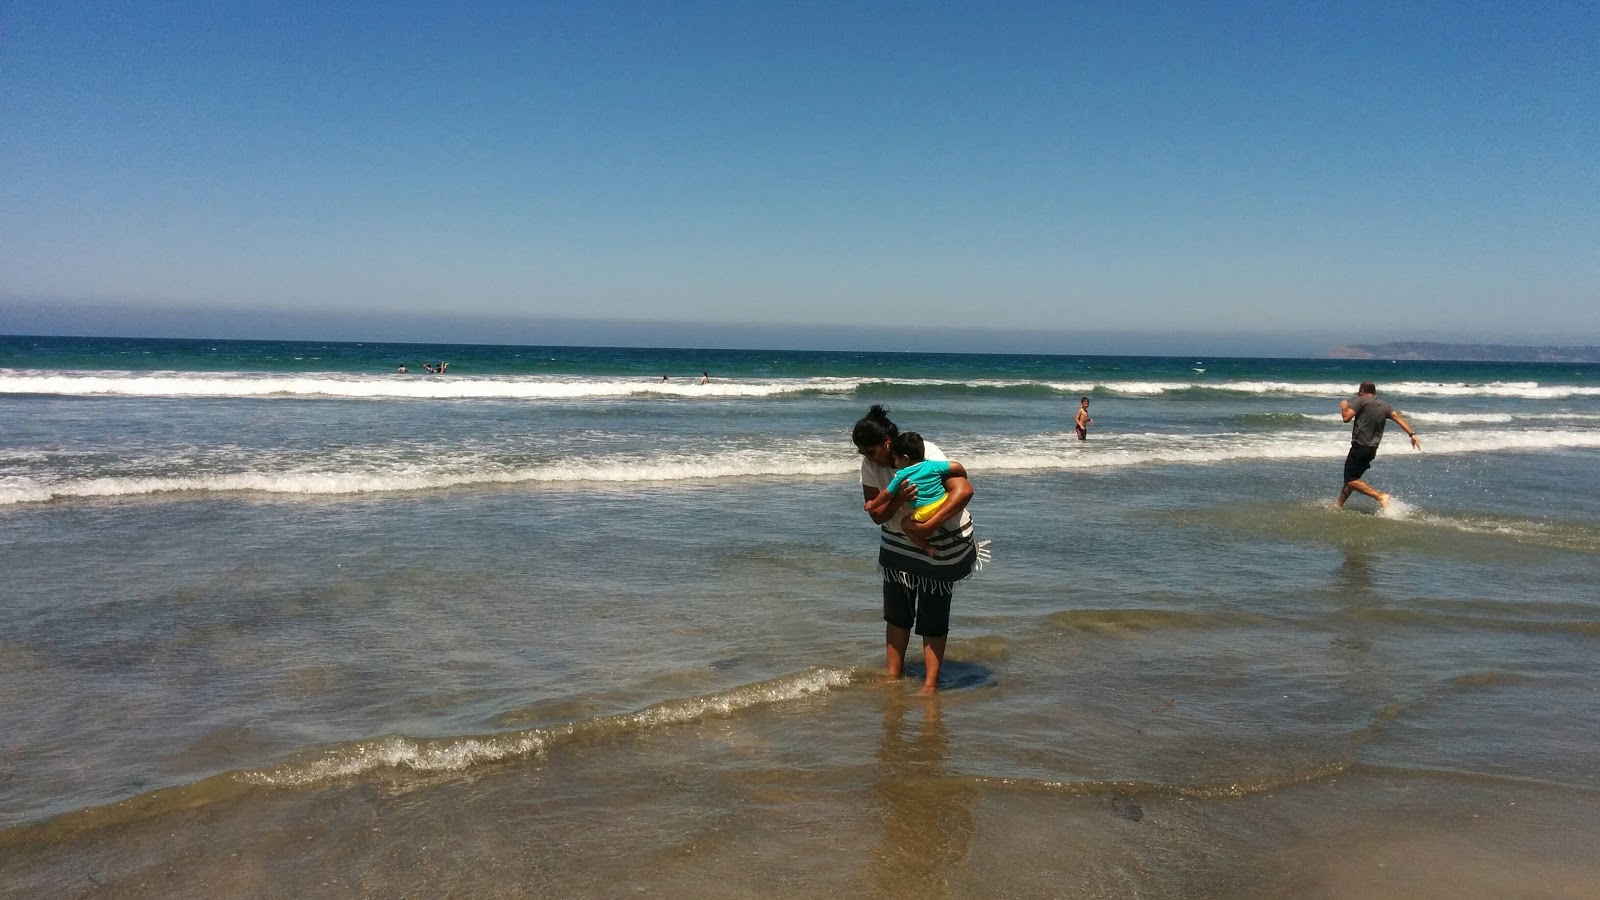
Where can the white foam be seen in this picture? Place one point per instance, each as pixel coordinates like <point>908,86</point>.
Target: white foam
<point>1397,509</point>
<point>1450,418</point>
<point>1531,390</point>
<point>556,387</point>
<point>172,384</point>
<point>365,474</point>
<point>1444,418</point>
<point>352,472</point>
<point>455,754</point>
<point>1059,452</point>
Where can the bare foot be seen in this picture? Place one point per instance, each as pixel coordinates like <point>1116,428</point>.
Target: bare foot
<point>927,690</point>
<point>1383,501</point>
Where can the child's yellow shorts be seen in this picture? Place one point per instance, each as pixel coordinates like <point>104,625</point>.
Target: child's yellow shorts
<point>924,513</point>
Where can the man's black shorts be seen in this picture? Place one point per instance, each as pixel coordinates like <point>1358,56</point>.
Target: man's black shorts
<point>1358,462</point>
<point>928,610</point>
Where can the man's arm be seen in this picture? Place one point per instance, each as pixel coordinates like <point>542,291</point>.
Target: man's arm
<point>1346,411</point>
<point>1395,415</point>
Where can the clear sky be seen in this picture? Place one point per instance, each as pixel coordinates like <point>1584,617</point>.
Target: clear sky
<point>1338,172</point>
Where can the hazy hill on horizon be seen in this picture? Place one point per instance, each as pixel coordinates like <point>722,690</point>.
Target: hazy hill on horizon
<point>1431,350</point>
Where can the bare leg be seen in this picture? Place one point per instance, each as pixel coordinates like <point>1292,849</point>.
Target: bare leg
<point>1364,488</point>
<point>933,657</point>
<point>917,534</point>
<point>895,640</point>
<point>1344,494</point>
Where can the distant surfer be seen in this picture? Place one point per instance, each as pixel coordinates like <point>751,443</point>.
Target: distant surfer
<point>1370,415</point>
<point>917,585</point>
<point>1081,421</point>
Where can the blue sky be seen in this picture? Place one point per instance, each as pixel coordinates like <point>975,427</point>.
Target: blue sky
<point>1323,173</point>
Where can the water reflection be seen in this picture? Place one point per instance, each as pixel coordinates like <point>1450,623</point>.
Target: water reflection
<point>924,817</point>
<point>1356,577</point>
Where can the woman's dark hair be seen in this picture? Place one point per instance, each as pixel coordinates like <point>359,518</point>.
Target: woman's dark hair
<point>874,428</point>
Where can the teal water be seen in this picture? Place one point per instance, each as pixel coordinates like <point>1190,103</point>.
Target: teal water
<point>281,621</point>
<point>152,354</point>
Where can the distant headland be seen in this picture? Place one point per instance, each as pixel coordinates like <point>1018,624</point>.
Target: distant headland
<point>1465,352</point>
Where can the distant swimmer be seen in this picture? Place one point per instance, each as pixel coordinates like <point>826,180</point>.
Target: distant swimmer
<point>430,368</point>
<point>1370,415</point>
<point>705,378</point>
<point>442,366</point>
<point>402,368</point>
<point>664,379</point>
<point>1081,421</point>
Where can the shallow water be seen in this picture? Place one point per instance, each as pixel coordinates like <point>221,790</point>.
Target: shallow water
<point>577,640</point>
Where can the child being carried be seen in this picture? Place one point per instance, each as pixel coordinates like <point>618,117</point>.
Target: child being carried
<point>927,474</point>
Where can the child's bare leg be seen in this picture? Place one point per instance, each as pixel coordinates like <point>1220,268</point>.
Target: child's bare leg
<point>918,535</point>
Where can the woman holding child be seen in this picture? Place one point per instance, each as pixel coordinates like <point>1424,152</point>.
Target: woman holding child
<point>917,583</point>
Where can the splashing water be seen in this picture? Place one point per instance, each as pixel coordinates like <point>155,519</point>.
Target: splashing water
<point>1397,509</point>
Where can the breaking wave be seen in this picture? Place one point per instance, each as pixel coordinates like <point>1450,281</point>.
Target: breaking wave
<point>509,387</point>
<point>377,471</point>
<point>447,754</point>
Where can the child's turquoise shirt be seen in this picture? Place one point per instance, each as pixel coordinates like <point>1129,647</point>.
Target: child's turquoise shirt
<point>927,475</point>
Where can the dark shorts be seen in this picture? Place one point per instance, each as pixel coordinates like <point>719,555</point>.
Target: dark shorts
<point>904,607</point>
<point>1358,462</point>
<point>1083,433</point>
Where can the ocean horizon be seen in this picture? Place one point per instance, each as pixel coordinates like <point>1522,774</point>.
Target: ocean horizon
<point>577,621</point>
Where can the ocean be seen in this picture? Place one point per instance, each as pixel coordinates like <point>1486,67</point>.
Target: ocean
<point>280,621</point>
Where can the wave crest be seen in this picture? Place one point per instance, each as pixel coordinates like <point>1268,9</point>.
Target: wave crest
<point>425,755</point>
<point>572,387</point>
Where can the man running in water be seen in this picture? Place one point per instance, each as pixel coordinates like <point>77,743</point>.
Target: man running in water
<point>1370,415</point>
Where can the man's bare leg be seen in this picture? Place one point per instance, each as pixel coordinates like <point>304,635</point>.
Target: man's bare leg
<point>895,640</point>
<point>1364,488</point>
<point>933,658</point>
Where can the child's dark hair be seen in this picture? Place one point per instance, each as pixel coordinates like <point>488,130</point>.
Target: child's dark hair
<point>908,444</point>
<point>874,428</point>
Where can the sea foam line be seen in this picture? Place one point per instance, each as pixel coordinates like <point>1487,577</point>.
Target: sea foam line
<point>392,386</point>
<point>603,471</point>
<point>333,384</point>
<point>1037,453</point>
<point>455,754</point>
<point>421,754</point>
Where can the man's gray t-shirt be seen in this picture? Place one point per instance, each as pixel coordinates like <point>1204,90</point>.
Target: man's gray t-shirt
<point>1371,415</point>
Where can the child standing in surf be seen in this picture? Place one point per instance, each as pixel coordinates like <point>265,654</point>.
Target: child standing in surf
<point>927,474</point>
<point>1081,422</point>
